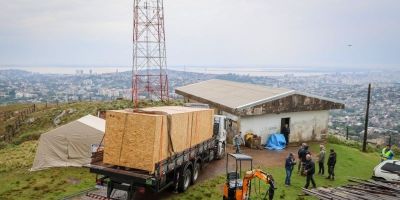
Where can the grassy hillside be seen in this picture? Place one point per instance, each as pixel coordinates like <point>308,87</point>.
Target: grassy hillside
<point>17,182</point>
<point>351,163</point>
<point>41,121</point>
<point>16,158</point>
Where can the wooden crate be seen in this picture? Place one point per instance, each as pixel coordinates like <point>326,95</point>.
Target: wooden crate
<point>140,139</point>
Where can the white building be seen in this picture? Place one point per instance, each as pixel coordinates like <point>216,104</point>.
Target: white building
<point>264,110</point>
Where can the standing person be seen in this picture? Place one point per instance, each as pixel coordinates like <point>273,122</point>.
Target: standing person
<point>321,160</point>
<point>299,157</point>
<point>331,164</point>
<point>304,154</point>
<point>286,132</point>
<point>387,153</point>
<point>289,164</point>
<point>310,171</point>
<point>237,141</point>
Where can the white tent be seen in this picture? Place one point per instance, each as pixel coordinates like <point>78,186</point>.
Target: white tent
<point>69,145</point>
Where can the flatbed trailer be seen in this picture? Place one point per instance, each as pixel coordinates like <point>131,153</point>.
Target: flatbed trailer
<point>178,171</point>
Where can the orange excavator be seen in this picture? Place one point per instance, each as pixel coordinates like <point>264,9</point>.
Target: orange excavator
<point>237,188</point>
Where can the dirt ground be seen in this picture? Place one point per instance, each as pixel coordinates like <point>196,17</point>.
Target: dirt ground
<point>261,158</point>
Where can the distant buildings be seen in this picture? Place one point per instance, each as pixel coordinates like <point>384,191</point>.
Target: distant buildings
<point>351,88</point>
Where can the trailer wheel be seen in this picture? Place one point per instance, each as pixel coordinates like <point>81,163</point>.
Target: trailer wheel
<point>184,181</point>
<point>196,170</point>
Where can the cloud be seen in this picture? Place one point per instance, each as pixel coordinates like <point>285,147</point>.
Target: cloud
<point>207,32</point>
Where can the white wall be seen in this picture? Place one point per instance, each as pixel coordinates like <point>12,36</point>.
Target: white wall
<point>304,126</point>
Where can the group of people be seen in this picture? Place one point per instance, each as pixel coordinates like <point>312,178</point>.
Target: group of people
<point>306,166</point>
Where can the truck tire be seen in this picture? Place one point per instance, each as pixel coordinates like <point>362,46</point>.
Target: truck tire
<point>184,180</point>
<point>196,170</point>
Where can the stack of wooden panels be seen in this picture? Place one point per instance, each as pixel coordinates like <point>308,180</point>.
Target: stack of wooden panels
<point>359,189</point>
<point>141,139</point>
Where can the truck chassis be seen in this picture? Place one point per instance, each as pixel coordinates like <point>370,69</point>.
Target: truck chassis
<point>177,171</point>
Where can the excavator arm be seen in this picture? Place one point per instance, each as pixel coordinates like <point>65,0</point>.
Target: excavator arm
<point>256,173</point>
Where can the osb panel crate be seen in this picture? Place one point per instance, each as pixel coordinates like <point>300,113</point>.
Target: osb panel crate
<point>141,139</point>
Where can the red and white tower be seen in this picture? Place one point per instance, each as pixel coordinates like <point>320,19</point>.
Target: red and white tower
<point>149,71</point>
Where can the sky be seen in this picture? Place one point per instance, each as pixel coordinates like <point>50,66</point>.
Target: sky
<point>222,33</point>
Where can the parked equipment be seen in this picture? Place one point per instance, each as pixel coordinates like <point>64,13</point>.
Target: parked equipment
<point>237,188</point>
<point>179,170</point>
<point>252,141</point>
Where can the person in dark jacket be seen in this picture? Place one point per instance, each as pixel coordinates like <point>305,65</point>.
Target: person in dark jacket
<point>286,132</point>
<point>289,164</point>
<point>309,171</point>
<point>331,165</point>
<point>299,156</point>
<point>303,155</point>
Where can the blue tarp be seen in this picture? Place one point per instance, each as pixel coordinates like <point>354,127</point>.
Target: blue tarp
<point>275,142</point>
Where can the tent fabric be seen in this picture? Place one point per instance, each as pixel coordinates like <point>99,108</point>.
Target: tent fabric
<point>70,144</point>
<point>275,142</point>
<point>94,122</point>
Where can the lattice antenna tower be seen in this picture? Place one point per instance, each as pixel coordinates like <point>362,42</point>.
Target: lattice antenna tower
<point>149,71</point>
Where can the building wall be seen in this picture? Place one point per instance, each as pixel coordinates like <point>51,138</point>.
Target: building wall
<point>304,126</point>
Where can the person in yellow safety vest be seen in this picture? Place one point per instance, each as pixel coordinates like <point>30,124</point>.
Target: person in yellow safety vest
<point>387,153</point>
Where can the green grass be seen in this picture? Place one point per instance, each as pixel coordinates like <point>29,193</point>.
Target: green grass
<point>17,182</point>
<point>358,145</point>
<point>16,158</point>
<point>351,163</point>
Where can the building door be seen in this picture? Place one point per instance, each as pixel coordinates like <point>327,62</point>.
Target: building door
<point>283,122</point>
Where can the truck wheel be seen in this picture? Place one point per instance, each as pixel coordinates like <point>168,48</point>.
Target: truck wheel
<point>184,181</point>
<point>196,170</point>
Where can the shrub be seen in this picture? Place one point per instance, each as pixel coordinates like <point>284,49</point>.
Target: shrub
<point>3,145</point>
<point>350,143</point>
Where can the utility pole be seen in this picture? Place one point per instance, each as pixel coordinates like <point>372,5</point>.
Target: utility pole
<point>366,119</point>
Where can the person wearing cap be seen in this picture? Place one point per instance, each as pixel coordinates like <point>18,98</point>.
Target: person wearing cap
<point>309,170</point>
<point>321,160</point>
<point>289,164</point>
<point>387,153</point>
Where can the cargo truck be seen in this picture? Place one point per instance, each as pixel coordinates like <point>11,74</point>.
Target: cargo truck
<point>178,171</point>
